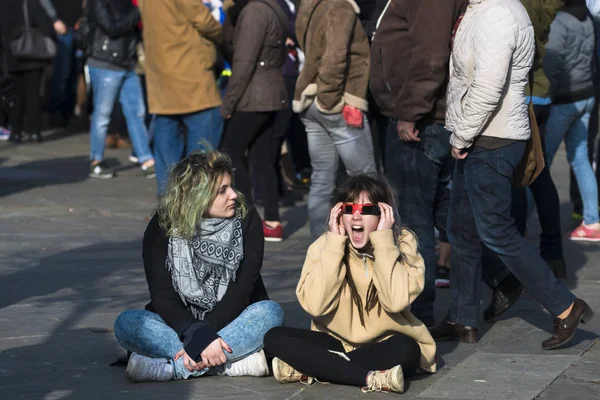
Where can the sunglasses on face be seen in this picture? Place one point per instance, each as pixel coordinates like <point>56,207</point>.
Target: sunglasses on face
<point>364,209</point>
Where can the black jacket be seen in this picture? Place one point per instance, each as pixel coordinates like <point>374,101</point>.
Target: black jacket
<point>12,21</point>
<point>114,31</point>
<point>247,289</point>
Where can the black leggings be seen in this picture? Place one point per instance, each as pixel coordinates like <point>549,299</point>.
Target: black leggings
<point>253,131</point>
<point>27,113</point>
<point>308,352</point>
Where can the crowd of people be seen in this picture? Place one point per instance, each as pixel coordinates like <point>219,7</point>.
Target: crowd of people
<point>415,119</point>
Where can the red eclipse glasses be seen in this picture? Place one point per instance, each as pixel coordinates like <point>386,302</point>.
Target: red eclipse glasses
<point>364,209</point>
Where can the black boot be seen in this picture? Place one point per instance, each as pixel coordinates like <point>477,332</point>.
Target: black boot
<point>505,295</point>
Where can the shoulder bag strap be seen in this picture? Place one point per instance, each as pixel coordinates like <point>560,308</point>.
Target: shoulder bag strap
<point>282,22</point>
<point>531,85</point>
<point>26,14</point>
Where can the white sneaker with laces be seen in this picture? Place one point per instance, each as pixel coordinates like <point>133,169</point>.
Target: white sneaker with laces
<point>253,365</point>
<point>146,369</point>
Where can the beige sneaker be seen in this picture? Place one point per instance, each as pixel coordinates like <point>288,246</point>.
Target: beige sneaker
<point>284,373</point>
<point>391,380</point>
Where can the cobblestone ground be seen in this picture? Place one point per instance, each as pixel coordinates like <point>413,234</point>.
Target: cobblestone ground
<point>70,261</point>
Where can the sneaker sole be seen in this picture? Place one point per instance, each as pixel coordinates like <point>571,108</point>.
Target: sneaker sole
<point>583,239</point>
<point>442,283</point>
<point>101,176</point>
<point>272,239</point>
<point>150,176</point>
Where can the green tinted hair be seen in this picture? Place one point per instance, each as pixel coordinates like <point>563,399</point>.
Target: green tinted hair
<point>193,186</point>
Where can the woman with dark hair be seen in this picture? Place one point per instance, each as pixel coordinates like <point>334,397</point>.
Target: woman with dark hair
<point>255,93</point>
<point>357,283</point>
<point>209,308</point>
<point>26,114</point>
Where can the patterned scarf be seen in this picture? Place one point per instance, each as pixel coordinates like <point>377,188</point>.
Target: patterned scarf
<point>203,266</point>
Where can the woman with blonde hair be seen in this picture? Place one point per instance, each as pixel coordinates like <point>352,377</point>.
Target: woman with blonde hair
<point>357,284</point>
<point>209,309</point>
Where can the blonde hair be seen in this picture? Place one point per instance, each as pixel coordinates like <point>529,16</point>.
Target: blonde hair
<point>193,186</point>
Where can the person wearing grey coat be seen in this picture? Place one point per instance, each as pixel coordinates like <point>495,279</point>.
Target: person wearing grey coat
<point>569,65</point>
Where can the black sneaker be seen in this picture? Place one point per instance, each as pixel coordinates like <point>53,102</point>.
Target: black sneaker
<point>148,172</point>
<point>442,277</point>
<point>101,170</point>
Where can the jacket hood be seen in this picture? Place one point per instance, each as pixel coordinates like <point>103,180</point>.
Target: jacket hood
<point>304,13</point>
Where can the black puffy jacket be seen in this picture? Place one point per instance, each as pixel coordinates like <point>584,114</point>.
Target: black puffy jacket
<point>114,37</point>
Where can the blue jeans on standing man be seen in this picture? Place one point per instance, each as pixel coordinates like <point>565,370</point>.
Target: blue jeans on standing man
<point>64,76</point>
<point>109,85</point>
<point>169,145</point>
<point>420,173</point>
<point>571,123</point>
<point>145,333</point>
<point>480,213</point>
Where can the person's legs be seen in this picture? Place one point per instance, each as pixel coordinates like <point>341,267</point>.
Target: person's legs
<point>33,104</point>
<point>560,119</point>
<point>62,75</point>
<point>205,125</point>
<point>418,171</point>
<point>262,154</point>
<point>324,162</point>
<point>168,147</point>
<point>16,114</point>
<point>106,85</point>
<point>466,253</point>
<point>576,142</point>
<point>132,102</point>
<point>488,182</point>
<point>242,129</point>
<point>310,353</point>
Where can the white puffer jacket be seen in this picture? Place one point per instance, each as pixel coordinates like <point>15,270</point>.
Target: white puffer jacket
<point>489,67</point>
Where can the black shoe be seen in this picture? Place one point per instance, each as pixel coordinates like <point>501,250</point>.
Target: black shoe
<point>442,276</point>
<point>446,331</point>
<point>36,137</point>
<point>101,170</point>
<point>564,329</point>
<point>504,296</point>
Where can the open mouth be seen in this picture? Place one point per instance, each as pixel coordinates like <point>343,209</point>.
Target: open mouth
<point>357,233</point>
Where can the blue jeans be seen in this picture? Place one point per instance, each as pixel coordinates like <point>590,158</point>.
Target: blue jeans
<point>329,139</point>
<point>108,86</point>
<point>64,75</point>
<point>480,213</point>
<point>571,123</point>
<point>169,146</point>
<point>420,173</point>
<point>145,333</point>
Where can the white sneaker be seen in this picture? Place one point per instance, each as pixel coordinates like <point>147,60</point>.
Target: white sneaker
<point>146,369</point>
<point>253,365</point>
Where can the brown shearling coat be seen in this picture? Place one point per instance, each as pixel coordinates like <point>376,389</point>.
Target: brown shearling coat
<point>336,67</point>
<point>180,38</point>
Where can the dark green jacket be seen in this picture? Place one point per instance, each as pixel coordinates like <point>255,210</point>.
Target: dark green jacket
<point>541,13</point>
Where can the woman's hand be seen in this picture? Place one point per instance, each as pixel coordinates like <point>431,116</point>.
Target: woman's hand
<point>386,219</point>
<point>188,362</point>
<point>213,355</point>
<point>335,220</point>
<point>60,27</point>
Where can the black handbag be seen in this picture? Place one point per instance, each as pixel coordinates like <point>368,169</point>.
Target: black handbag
<point>30,44</point>
<point>83,33</point>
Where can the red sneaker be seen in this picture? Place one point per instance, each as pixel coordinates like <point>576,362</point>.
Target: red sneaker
<point>585,234</point>
<point>273,234</point>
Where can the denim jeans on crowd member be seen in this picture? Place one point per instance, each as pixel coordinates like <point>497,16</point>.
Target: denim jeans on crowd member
<point>571,123</point>
<point>420,172</point>
<point>108,86</point>
<point>329,139</point>
<point>145,333</point>
<point>480,213</point>
<point>170,146</point>
<point>64,75</point>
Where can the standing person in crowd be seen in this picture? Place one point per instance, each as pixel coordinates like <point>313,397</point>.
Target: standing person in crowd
<point>331,98</point>
<point>569,65</point>
<point>506,288</point>
<point>112,60</point>
<point>357,283</point>
<point>487,115</point>
<point>26,74</point>
<point>255,94</point>
<point>180,38</point>
<point>209,309</point>
<point>408,81</point>
<point>65,15</point>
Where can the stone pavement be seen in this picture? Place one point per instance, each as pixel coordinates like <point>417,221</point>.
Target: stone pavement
<point>70,262</point>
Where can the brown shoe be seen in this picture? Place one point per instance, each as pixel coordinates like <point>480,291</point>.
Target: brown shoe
<point>447,331</point>
<point>564,329</point>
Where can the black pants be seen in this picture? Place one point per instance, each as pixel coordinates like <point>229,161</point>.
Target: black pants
<point>27,113</point>
<point>308,352</point>
<point>253,131</point>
